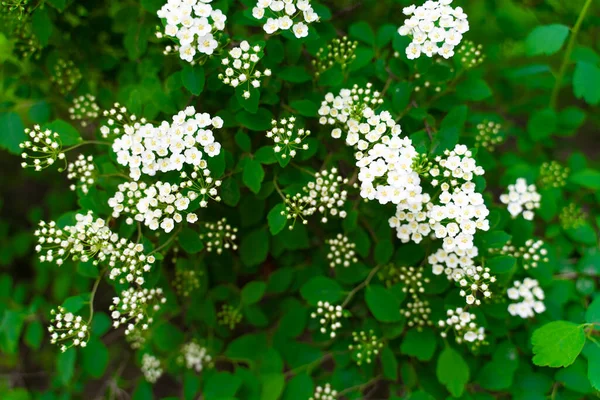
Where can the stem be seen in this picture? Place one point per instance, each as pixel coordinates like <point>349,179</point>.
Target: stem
<point>359,387</point>
<point>85,143</point>
<point>362,285</point>
<point>92,296</point>
<point>165,244</point>
<point>567,56</point>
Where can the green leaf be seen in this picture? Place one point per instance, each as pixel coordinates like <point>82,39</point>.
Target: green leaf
<point>294,74</point>
<point>363,32</point>
<point>501,264</point>
<point>592,352</point>
<point>192,77</point>
<point>588,178</point>
<point>95,358</point>
<point>254,247</point>
<point>259,121</point>
<point>253,292</point>
<point>452,371</point>
<point>34,334</point>
<point>542,124</point>
<point>42,25</point>
<point>473,89</point>
<point>321,288</point>
<point>586,82</point>
<point>305,108</point>
<point>557,344</point>
<point>190,241</point>
<point>592,314</point>
<point>546,39</point>
<point>65,365</point>
<point>384,249</point>
<point>277,219</point>
<point>384,306</point>
<point>419,343</point>
<point>68,134</point>
<point>299,387</point>
<point>253,175</point>
<point>10,331</point>
<point>58,4</point>
<point>221,386</point>
<point>230,192</point>
<point>389,364</point>
<point>272,386</point>
<point>13,132</point>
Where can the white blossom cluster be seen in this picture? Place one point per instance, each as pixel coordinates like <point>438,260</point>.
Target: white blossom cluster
<point>194,25</point>
<point>475,280</point>
<point>529,298</point>
<point>117,118</point>
<point>219,235</point>
<point>453,263</point>
<point>195,356</point>
<point>284,15</point>
<point>135,309</point>
<point>435,28</point>
<point>148,149</point>
<point>323,195</point>
<point>41,149</point>
<point>287,138</point>
<point>84,109</point>
<point>341,251</point>
<point>329,317</point>
<point>82,171</point>
<point>240,68</point>
<point>349,103</point>
<point>532,254</point>
<point>324,393</point>
<point>151,368</point>
<point>91,240</point>
<point>67,328</point>
<point>521,199</point>
<point>464,326</point>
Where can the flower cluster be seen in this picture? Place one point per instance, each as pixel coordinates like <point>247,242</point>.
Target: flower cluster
<point>151,368</point>
<point>148,149</point>
<point>453,263</point>
<point>464,326</point>
<point>473,281</point>
<point>417,313</point>
<point>323,195</point>
<point>196,357</point>
<point>229,316</point>
<point>82,171</point>
<point>553,175</point>
<point>365,348</point>
<point>329,317</point>
<point>84,109</point>
<point>41,149</point>
<point>521,199</point>
<point>135,308</point>
<point>435,28</point>
<point>338,51</point>
<point>67,328</point>
<point>423,84</point>
<point>219,235</point>
<point>532,254</point>
<point>412,279</point>
<point>194,25</point>
<point>65,75</point>
<point>572,216</point>
<point>531,298</point>
<point>348,104</point>
<point>324,393</point>
<point>285,14</point>
<point>186,281</point>
<point>240,68</point>
<point>341,251</point>
<point>27,45</point>
<point>117,119</point>
<point>470,55</point>
<point>488,135</point>
<point>287,138</point>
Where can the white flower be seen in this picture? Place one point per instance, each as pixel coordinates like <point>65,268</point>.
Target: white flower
<point>284,15</point>
<point>531,296</point>
<point>300,30</point>
<point>521,199</point>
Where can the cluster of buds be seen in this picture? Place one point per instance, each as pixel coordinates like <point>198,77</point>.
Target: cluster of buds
<point>553,175</point>
<point>329,317</point>
<point>323,195</point>
<point>422,84</point>
<point>413,280</point>
<point>68,329</point>
<point>201,184</point>
<point>241,68</point>
<point>117,118</point>
<point>196,357</point>
<point>475,280</point>
<point>531,255</point>
<point>324,393</point>
<point>41,149</point>
<point>135,309</point>
<point>389,274</point>
<point>65,75</point>
<point>365,348</point>
<point>27,44</point>
<point>531,298</point>
<point>229,316</point>
<point>417,313</point>
<point>488,135</point>
<point>338,51</point>
<point>218,236</point>
<point>287,138</point>
<point>151,368</point>
<point>464,326</point>
<point>82,171</point>
<point>572,216</point>
<point>521,199</point>
<point>341,251</point>
<point>84,109</point>
<point>19,8</point>
<point>470,55</point>
<point>186,281</point>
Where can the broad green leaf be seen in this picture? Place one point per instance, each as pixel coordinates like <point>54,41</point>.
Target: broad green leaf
<point>384,306</point>
<point>389,364</point>
<point>452,371</point>
<point>294,74</point>
<point>13,132</point>
<point>586,81</point>
<point>221,386</point>
<point>321,288</point>
<point>542,124</point>
<point>190,241</point>
<point>588,178</point>
<point>419,343</point>
<point>546,39</point>
<point>42,25</point>
<point>592,353</point>
<point>254,247</point>
<point>592,314</point>
<point>501,264</point>
<point>277,219</point>
<point>272,386</point>
<point>362,31</point>
<point>473,89</point>
<point>65,365</point>
<point>557,344</point>
<point>253,292</point>
<point>299,387</point>
<point>192,77</point>
<point>253,175</point>
<point>95,358</point>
